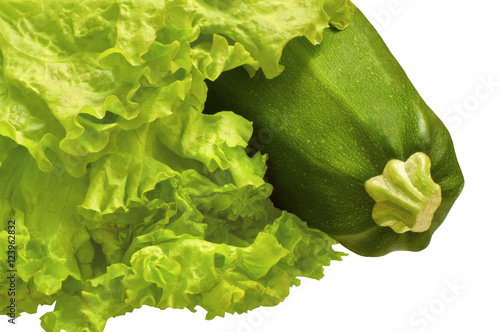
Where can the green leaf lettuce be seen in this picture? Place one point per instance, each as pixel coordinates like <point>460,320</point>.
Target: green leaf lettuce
<point>123,191</point>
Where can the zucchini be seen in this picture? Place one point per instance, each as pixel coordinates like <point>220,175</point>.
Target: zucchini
<point>353,149</point>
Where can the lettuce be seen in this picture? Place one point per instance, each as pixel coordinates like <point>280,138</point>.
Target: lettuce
<point>123,192</point>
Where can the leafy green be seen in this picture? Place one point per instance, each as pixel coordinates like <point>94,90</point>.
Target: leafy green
<point>123,192</point>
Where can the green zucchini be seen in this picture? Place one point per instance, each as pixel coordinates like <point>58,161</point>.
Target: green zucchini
<point>353,149</point>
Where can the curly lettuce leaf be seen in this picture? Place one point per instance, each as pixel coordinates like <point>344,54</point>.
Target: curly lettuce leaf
<point>124,193</point>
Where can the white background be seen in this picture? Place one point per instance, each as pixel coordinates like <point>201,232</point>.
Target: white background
<point>449,49</point>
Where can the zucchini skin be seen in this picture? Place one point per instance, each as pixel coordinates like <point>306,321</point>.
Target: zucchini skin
<point>332,120</point>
